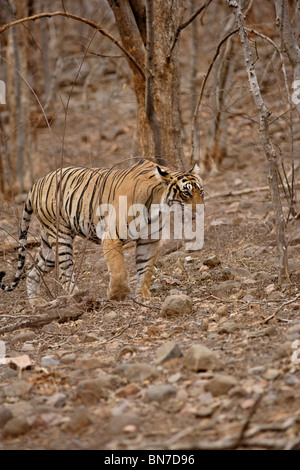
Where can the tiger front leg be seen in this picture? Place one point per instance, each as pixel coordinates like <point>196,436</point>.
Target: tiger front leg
<point>118,285</point>
<point>146,255</point>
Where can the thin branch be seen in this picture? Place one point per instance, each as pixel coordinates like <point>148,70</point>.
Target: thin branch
<point>205,78</point>
<point>76,18</point>
<point>186,23</point>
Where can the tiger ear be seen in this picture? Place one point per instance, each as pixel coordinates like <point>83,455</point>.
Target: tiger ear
<point>162,175</point>
<point>195,170</point>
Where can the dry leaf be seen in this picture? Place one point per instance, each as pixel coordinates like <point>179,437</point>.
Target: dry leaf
<point>19,362</point>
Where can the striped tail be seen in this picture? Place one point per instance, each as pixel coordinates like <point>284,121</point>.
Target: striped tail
<point>26,217</point>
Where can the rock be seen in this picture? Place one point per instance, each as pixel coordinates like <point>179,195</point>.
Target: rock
<point>89,338</point>
<point>293,331</point>
<point>271,374</point>
<point>199,357</point>
<point>222,311</point>
<point>90,391</point>
<point>228,327</point>
<point>15,427</point>
<point>24,336</point>
<point>89,362</point>
<point>79,420</point>
<point>121,422</point>
<point>174,378</point>
<point>49,361</point>
<point>128,390</point>
<point>5,415</point>
<point>111,381</point>
<point>212,261</point>
<point>291,380</point>
<point>159,393</point>
<point>58,400</point>
<point>284,350</point>
<point>220,384</point>
<point>175,305</point>
<point>224,288</point>
<point>68,358</point>
<point>168,351</point>
<point>18,389</point>
<point>204,411</point>
<point>139,372</point>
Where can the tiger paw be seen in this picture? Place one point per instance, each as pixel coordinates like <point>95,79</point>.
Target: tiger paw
<point>118,294</point>
<point>144,293</point>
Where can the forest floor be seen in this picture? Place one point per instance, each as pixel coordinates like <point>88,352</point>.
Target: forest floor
<point>121,375</point>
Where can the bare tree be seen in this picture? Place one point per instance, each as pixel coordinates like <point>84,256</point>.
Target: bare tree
<point>265,139</point>
<point>288,38</point>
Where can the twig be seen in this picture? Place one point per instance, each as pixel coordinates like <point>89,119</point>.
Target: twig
<point>186,23</point>
<point>278,310</point>
<point>240,192</point>
<point>205,78</point>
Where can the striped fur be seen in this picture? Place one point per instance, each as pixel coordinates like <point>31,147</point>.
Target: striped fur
<point>66,203</point>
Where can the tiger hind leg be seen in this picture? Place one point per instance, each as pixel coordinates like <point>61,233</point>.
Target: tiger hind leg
<point>44,263</point>
<point>65,262</point>
<point>146,255</point>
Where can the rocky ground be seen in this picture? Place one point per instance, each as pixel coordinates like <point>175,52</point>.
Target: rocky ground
<point>210,362</point>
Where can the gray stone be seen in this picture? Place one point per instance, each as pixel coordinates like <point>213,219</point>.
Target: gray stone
<point>79,420</point>
<point>168,351</point>
<point>90,391</point>
<point>5,415</point>
<point>212,261</point>
<point>228,327</point>
<point>15,427</point>
<point>159,393</point>
<point>58,400</point>
<point>175,305</point>
<point>199,357</point>
<point>139,372</point>
<point>18,389</point>
<point>24,336</point>
<point>220,384</point>
<point>49,361</point>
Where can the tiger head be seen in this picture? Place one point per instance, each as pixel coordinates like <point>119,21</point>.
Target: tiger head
<point>182,187</point>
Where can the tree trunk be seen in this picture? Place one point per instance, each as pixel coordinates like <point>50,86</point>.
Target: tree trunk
<point>164,76</point>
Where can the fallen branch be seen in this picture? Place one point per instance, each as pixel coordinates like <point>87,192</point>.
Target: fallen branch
<point>278,310</point>
<point>60,309</point>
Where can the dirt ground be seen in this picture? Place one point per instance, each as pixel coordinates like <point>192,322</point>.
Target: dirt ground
<point>238,311</point>
<point>102,380</point>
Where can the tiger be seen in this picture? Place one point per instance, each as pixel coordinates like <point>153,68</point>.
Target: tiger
<point>66,203</point>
